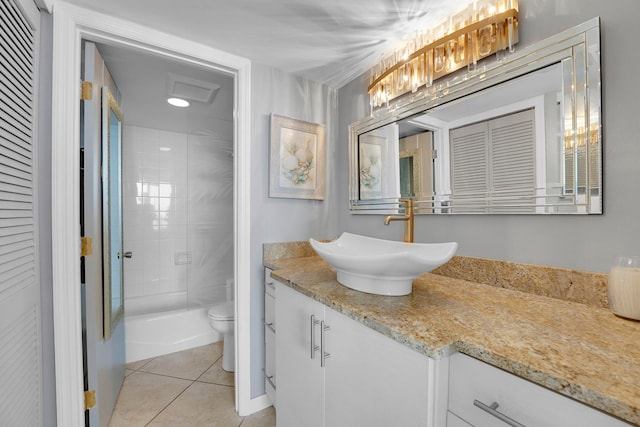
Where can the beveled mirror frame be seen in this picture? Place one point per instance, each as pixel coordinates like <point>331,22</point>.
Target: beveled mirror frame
<point>579,47</point>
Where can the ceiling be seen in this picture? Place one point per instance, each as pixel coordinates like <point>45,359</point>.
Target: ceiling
<point>145,81</point>
<point>330,41</point>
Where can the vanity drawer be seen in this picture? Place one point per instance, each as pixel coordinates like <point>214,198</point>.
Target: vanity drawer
<point>454,421</point>
<point>270,365</point>
<point>474,384</point>
<point>269,283</point>
<point>269,312</point>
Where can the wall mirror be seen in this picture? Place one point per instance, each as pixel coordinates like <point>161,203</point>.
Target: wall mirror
<point>112,280</point>
<point>517,136</point>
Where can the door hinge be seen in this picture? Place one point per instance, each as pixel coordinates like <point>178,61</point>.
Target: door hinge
<point>434,154</point>
<point>87,91</point>
<point>89,399</point>
<point>86,246</point>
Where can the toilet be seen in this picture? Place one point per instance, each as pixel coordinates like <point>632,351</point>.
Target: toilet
<point>221,320</point>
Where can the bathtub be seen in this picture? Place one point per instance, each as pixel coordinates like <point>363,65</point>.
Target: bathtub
<point>155,334</point>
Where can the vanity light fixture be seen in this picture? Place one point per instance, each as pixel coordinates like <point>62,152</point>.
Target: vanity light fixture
<point>178,102</point>
<point>483,28</point>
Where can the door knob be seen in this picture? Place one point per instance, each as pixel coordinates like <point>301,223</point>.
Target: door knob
<point>128,254</point>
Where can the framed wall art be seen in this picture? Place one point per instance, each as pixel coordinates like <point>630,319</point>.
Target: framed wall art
<point>298,159</point>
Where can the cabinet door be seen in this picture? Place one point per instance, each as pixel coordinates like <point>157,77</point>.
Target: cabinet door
<point>370,379</point>
<point>300,396</point>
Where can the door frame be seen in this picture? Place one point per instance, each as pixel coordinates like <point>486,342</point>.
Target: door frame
<point>71,24</point>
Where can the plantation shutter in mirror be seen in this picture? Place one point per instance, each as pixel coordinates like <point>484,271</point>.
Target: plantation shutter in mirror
<point>469,175</point>
<point>495,158</point>
<point>20,348</point>
<point>513,161</point>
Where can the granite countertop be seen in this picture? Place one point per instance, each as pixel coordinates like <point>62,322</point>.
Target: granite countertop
<point>581,351</point>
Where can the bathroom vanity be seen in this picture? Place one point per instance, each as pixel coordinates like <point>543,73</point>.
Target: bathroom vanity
<point>334,371</point>
<point>453,353</point>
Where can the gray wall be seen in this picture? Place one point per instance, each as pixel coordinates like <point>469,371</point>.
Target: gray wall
<point>44,219</point>
<point>281,220</point>
<point>581,242</point>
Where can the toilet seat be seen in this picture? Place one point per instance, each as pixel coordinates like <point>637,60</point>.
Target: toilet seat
<point>221,311</point>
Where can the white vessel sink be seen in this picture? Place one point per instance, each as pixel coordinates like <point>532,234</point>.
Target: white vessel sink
<point>381,267</point>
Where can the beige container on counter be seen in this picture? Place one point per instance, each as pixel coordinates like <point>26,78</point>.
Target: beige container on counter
<point>624,287</point>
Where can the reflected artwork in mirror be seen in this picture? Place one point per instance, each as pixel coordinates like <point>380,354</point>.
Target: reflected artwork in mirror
<point>517,136</point>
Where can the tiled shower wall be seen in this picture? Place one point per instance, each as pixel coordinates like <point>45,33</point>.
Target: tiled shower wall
<point>177,218</point>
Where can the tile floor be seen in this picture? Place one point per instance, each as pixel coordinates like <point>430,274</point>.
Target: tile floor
<point>187,388</point>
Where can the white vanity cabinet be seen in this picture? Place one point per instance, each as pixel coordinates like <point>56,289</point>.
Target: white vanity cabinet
<point>482,395</point>
<point>333,371</point>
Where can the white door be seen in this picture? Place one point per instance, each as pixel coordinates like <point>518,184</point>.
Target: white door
<point>20,315</point>
<point>105,358</point>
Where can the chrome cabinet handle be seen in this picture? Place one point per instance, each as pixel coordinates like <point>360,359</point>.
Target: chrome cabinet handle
<point>270,326</point>
<point>270,380</point>
<point>314,347</point>
<point>323,328</point>
<point>492,410</point>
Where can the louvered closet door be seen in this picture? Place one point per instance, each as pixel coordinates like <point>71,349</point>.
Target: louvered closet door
<point>469,153</point>
<point>20,350</point>
<point>513,162</point>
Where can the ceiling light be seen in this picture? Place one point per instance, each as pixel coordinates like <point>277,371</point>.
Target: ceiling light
<point>177,102</point>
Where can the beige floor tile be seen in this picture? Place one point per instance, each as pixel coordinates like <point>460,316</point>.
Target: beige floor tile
<point>217,375</point>
<point>201,405</point>
<point>187,364</point>
<point>142,396</point>
<point>264,418</point>
<point>134,366</point>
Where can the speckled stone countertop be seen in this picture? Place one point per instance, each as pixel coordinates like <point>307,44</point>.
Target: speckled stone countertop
<point>579,350</point>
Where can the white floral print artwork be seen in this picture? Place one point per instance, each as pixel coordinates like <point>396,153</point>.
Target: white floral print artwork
<point>297,168</point>
<point>297,159</point>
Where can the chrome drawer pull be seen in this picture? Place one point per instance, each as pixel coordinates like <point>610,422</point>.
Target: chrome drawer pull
<point>270,380</point>
<point>323,328</point>
<point>270,326</point>
<point>314,347</point>
<point>491,409</point>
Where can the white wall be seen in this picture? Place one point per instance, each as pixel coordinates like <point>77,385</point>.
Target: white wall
<point>280,220</point>
<point>581,242</point>
<point>178,217</point>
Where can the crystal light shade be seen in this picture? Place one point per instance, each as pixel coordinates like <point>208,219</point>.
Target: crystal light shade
<point>483,28</point>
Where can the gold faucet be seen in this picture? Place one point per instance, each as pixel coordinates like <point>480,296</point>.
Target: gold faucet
<point>407,217</point>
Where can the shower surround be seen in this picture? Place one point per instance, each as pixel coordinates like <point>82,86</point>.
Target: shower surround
<point>178,222</point>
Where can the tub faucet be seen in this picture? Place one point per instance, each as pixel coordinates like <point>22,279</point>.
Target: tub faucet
<point>407,218</point>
